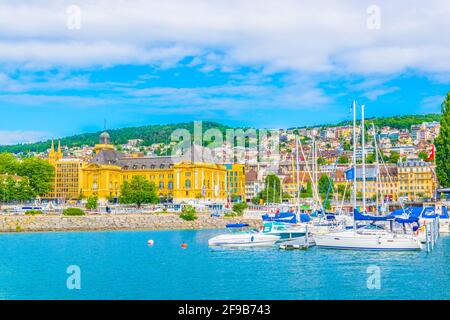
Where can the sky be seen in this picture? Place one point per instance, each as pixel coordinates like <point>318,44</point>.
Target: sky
<point>67,66</point>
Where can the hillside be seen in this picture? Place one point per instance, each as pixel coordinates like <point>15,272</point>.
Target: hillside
<point>150,134</point>
<point>161,133</point>
<point>399,122</point>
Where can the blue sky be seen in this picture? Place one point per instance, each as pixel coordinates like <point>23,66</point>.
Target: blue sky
<point>268,65</point>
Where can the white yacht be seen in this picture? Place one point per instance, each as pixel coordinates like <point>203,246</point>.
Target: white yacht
<point>370,237</point>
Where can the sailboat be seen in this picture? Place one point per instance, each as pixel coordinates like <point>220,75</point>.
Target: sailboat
<point>370,236</point>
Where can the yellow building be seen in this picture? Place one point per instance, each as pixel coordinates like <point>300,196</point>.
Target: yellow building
<point>67,178</point>
<point>193,175</point>
<point>236,182</point>
<point>416,179</point>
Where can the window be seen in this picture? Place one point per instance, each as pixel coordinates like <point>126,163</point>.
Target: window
<point>187,183</point>
<point>161,185</point>
<point>170,185</point>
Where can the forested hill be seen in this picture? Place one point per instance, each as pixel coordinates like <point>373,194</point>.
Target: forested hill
<point>399,122</point>
<point>161,133</point>
<point>150,134</point>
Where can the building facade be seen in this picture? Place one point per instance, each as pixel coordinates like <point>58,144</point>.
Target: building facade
<point>67,180</point>
<point>193,175</point>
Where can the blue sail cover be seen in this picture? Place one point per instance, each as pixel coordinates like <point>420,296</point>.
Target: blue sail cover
<point>444,214</point>
<point>304,217</point>
<point>237,225</point>
<point>287,217</point>
<point>429,213</point>
<point>365,217</point>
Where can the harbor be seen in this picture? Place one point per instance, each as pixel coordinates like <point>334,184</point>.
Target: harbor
<point>121,265</point>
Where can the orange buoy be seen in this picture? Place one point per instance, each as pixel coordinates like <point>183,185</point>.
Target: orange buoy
<point>184,245</point>
<point>150,242</point>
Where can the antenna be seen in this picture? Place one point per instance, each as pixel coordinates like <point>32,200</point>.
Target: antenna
<point>104,124</point>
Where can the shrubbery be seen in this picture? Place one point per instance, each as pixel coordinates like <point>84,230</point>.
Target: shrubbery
<point>33,212</point>
<point>188,213</point>
<point>239,208</point>
<point>91,203</point>
<point>73,212</point>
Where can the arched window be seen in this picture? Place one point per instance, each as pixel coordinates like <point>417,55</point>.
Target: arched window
<point>188,183</point>
<point>170,185</point>
<point>161,185</point>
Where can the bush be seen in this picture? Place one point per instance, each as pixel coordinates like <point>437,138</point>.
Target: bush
<point>239,208</point>
<point>91,203</point>
<point>33,212</point>
<point>188,213</point>
<point>73,212</point>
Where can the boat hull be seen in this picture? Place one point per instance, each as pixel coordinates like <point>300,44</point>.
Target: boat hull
<point>367,242</point>
<point>243,240</point>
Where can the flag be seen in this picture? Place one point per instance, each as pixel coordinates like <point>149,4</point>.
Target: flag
<point>431,154</point>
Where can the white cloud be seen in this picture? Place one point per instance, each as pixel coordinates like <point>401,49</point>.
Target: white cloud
<point>14,137</point>
<point>311,36</point>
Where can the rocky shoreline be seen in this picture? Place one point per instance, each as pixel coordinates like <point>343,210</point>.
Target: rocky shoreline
<point>98,222</point>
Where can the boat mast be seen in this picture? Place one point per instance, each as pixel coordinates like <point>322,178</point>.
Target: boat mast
<point>363,142</point>
<point>354,164</point>
<point>298,174</point>
<point>377,173</point>
<point>354,154</point>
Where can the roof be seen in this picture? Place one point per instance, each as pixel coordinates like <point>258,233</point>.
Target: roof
<point>112,157</point>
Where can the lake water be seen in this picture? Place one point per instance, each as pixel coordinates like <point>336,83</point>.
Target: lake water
<point>120,265</point>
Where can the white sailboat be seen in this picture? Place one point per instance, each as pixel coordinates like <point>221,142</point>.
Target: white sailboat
<point>370,237</point>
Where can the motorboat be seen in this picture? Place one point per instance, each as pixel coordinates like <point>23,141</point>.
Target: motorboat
<point>242,236</point>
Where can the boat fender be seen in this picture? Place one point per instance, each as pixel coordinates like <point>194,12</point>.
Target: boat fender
<point>252,238</point>
<point>379,240</point>
<point>150,242</point>
<point>261,228</point>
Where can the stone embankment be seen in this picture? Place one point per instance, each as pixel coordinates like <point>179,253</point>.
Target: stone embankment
<point>23,223</point>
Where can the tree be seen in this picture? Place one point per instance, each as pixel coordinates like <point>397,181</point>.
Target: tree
<point>442,144</point>
<point>40,174</point>
<point>321,161</point>
<point>308,192</point>
<point>272,189</point>
<point>395,156</point>
<point>91,203</point>
<point>342,160</point>
<point>422,155</point>
<point>239,208</point>
<point>8,163</point>
<point>188,213</point>
<point>324,184</point>
<point>255,200</point>
<point>138,191</point>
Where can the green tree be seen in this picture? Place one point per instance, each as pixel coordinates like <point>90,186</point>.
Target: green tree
<point>138,192</point>
<point>239,208</point>
<point>23,190</point>
<point>92,202</point>
<point>308,192</point>
<point>324,184</point>
<point>394,157</point>
<point>442,144</point>
<point>188,213</point>
<point>40,174</point>
<point>8,163</point>
<point>422,155</point>
<point>343,160</point>
<point>272,189</point>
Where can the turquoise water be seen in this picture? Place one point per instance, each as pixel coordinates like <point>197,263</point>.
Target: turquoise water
<point>120,265</point>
